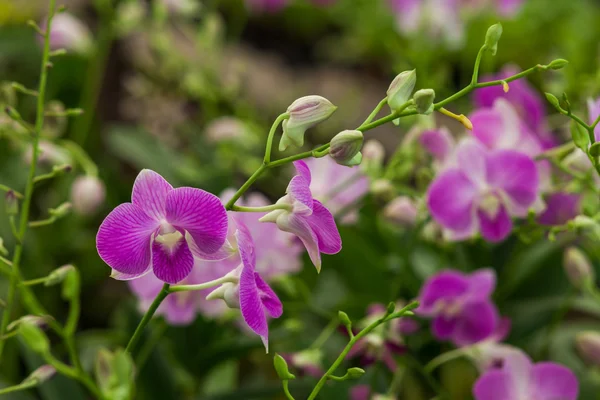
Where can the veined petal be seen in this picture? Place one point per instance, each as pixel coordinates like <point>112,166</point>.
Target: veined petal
<point>516,174</point>
<point>252,307</point>
<point>450,200</point>
<point>323,225</point>
<point>119,276</point>
<point>268,297</point>
<point>497,228</point>
<point>245,245</point>
<point>150,193</point>
<point>123,239</point>
<point>303,170</point>
<point>299,191</point>
<point>172,264</point>
<point>299,226</point>
<point>199,213</point>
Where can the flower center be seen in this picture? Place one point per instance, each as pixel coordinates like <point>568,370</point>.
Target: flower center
<point>490,205</point>
<point>169,240</point>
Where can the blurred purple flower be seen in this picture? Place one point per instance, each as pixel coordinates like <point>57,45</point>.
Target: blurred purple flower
<point>483,191</point>
<point>266,6</point>
<point>161,229</point>
<point>337,186</point>
<point>69,33</point>
<point>251,293</point>
<point>364,392</point>
<point>560,208</point>
<point>439,143</point>
<point>518,378</point>
<point>306,362</point>
<point>385,341</point>
<point>306,217</point>
<point>460,306</point>
<point>523,97</point>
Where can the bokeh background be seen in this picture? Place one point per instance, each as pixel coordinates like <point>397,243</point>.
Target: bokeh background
<point>190,90</point>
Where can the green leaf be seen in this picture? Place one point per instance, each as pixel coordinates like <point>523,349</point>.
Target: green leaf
<point>34,337</point>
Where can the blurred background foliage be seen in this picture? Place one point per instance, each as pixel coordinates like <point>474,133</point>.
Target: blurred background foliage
<point>162,90</point>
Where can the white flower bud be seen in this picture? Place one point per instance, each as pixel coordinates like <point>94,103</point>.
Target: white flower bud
<point>87,194</point>
<point>577,266</point>
<point>401,211</point>
<point>424,101</point>
<point>401,89</point>
<point>305,113</point>
<point>67,32</point>
<point>373,151</point>
<point>229,291</point>
<point>345,147</point>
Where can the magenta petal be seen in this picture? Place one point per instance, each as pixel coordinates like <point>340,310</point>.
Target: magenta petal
<point>488,126</point>
<point>443,328</point>
<point>560,208</point>
<point>172,265</point>
<point>360,392</point>
<point>150,193</point>
<point>245,245</point>
<point>477,322</point>
<point>551,381</point>
<point>268,297</point>
<point>299,191</point>
<point>508,8</point>
<point>201,214</point>
<point>123,239</point>
<point>303,170</point>
<point>495,384</point>
<point>481,284</point>
<point>516,174</point>
<point>444,285</point>
<point>323,225</point>
<point>438,142</point>
<point>299,226</point>
<point>495,229</point>
<point>450,200</point>
<point>251,306</point>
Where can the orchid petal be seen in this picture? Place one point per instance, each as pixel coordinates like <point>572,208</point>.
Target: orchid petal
<point>443,328</point>
<point>439,143</point>
<point>252,307</point>
<point>323,225</point>
<point>481,284</point>
<point>477,322</point>
<point>300,227</point>
<point>123,239</point>
<point>497,228</point>
<point>303,170</point>
<point>450,200</point>
<point>150,193</point>
<point>199,213</point>
<point>550,381</point>
<point>268,297</point>
<point>471,158</point>
<point>494,385</point>
<point>299,191</point>
<point>172,265</point>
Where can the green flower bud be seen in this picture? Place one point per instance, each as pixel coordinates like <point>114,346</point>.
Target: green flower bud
<point>577,266</point>
<point>34,337</point>
<point>401,89</point>
<point>345,146</point>
<point>424,101</point>
<point>588,346</point>
<point>40,375</point>
<point>492,37</point>
<point>558,64</point>
<point>114,374</point>
<point>13,114</point>
<point>11,203</point>
<point>58,275</point>
<point>345,319</point>
<point>29,319</point>
<point>355,373</point>
<point>305,113</point>
<point>281,368</point>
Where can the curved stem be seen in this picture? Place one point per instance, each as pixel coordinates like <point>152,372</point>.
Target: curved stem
<point>147,317</point>
<point>278,121</point>
<point>245,186</point>
<point>353,341</point>
<point>16,388</point>
<point>442,359</point>
<point>272,207</point>
<point>39,123</point>
<point>201,286</point>
<point>374,113</point>
<point>286,390</point>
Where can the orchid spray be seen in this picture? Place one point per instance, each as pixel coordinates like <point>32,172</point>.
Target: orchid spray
<point>164,234</point>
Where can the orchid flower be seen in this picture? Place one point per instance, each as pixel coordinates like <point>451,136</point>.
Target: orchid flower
<point>306,217</point>
<point>161,230</point>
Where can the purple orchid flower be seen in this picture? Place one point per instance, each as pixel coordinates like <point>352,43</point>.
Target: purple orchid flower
<point>518,378</point>
<point>161,229</point>
<point>337,186</point>
<point>306,217</point>
<point>385,341</point>
<point>483,191</point>
<point>440,144</point>
<point>460,306</point>
<point>249,292</point>
<point>560,208</point>
<point>523,97</point>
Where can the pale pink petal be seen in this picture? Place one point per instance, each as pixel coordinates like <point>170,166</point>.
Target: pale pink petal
<point>495,384</point>
<point>471,157</point>
<point>300,227</point>
<point>245,245</point>
<point>123,239</point>
<point>299,190</point>
<point>323,225</point>
<point>303,170</point>
<point>495,229</point>
<point>488,127</point>
<point>180,309</point>
<point>439,143</point>
<point>172,265</point>
<point>119,276</point>
<point>199,213</point>
<point>551,381</point>
<point>150,193</point>
<point>515,174</point>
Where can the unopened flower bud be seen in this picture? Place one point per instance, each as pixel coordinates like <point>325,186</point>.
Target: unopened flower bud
<point>345,148</point>
<point>67,32</point>
<point>229,291</point>
<point>11,203</point>
<point>58,275</point>
<point>345,319</point>
<point>401,89</point>
<point>424,101</point>
<point>87,194</point>
<point>402,211</point>
<point>558,64</point>
<point>281,368</point>
<point>34,337</point>
<point>588,346</point>
<point>12,113</point>
<point>492,37</point>
<point>382,188</point>
<point>305,113</point>
<point>40,375</point>
<point>577,266</point>
<point>373,151</point>
<point>355,372</point>
<point>40,322</point>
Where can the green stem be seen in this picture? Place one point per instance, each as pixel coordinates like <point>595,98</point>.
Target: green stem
<point>147,317</point>
<point>475,76</point>
<point>353,341</point>
<point>7,189</point>
<point>286,390</point>
<point>72,373</point>
<point>246,186</point>
<point>374,113</point>
<point>443,358</point>
<point>278,121</point>
<point>595,123</point>
<point>16,388</point>
<point>84,160</point>
<point>39,123</point>
<point>33,282</point>
<point>201,286</point>
<point>272,207</point>
<point>326,334</point>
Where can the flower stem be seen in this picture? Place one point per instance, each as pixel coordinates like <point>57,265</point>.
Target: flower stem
<point>147,317</point>
<point>201,286</point>
<point>286,390</point>
<point>272,207</point>
<point>16,388</point>
<point>373,114</point>
<point>39,123</point>
<point>278,121</point>
<point>353,341</point>
<point>7,189</point>
<point>442,359</point>
<point>245,186</point>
